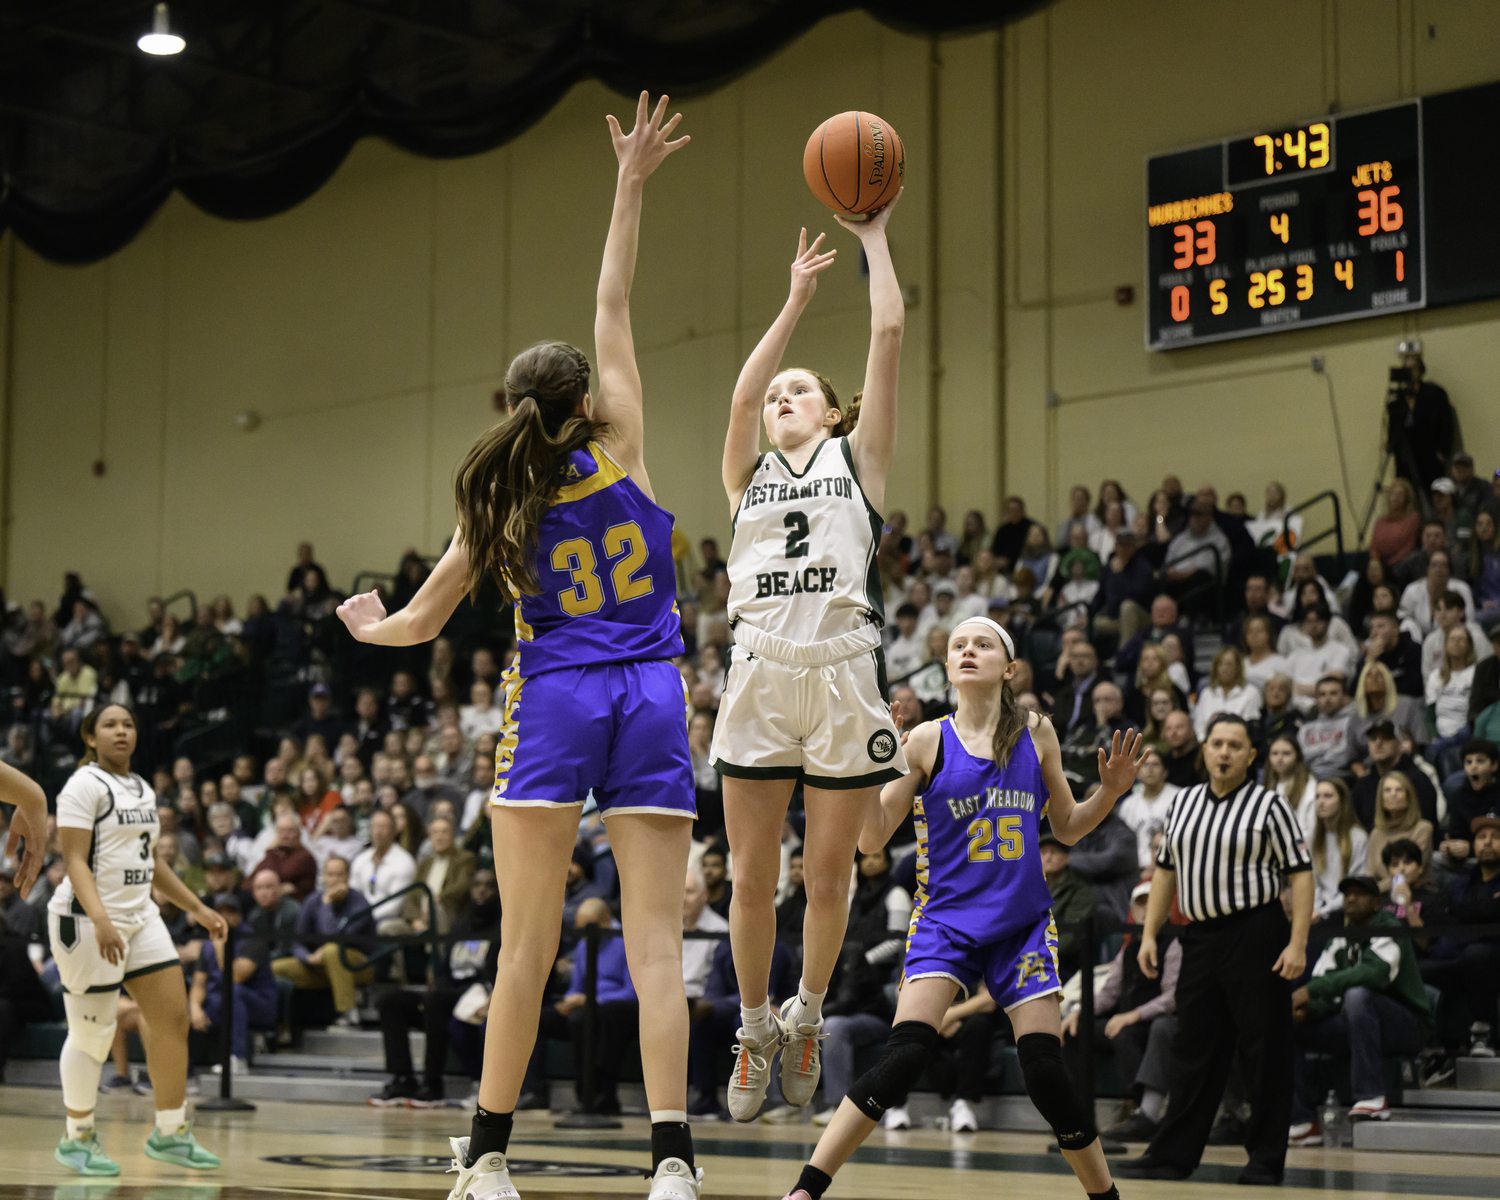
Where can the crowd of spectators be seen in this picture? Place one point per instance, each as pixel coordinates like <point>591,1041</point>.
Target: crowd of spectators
<point>308,783</point>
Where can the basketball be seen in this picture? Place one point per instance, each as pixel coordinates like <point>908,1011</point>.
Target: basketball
<point>854,163</point>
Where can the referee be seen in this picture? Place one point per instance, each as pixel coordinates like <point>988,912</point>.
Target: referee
<point>1226,847</point>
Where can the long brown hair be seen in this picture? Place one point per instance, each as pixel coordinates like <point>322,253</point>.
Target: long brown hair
<point>1012,723</point>
<point>1413,810</point>
<point>1295,780</point>
<point>1343,821</point>
<point>511,475</point>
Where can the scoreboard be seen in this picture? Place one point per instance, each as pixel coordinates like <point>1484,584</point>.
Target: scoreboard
<point>1322,221</point>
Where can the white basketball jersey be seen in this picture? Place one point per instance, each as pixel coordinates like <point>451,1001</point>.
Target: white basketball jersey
<point>802,563</point>
<point>120,812</point>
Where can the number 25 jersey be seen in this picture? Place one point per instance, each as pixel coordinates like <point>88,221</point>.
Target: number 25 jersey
<point>979,868</point>
<point>802,563</point>
<point>608,583</point>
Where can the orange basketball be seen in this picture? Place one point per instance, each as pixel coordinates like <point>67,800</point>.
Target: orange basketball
<point>854,163</point>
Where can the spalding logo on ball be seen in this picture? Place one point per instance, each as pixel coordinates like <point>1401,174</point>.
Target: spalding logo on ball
<point>854,163</point>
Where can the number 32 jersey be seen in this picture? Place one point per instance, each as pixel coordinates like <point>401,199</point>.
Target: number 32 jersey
<point>979,868</point>
<point>119,811</point>
<point>608,582</point>
<point>802,563</point>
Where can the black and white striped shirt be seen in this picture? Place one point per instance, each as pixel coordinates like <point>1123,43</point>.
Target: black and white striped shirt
<point>1230,853</point>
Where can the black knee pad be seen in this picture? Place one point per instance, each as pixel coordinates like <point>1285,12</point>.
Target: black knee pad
<point>1051,1090</point>
<point>887,1084</point>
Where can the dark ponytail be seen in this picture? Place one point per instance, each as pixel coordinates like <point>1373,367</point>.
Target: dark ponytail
<point>511,475</point>
<point>1012,723</point>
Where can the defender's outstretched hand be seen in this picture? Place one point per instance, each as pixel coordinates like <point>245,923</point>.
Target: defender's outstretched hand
<point>34,829</point>
<point>1117,772</point>
<point>642,150</point>
<point>362,613</point>
<point>807,266</point>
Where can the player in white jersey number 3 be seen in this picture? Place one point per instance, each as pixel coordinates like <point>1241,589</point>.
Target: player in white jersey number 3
<point>805,696</point>
<point>106,932</point>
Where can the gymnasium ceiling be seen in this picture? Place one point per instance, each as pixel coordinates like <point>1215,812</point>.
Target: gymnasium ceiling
<point>263,105</point>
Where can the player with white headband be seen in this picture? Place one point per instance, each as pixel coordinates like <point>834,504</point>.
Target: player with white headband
<point>981,781</point>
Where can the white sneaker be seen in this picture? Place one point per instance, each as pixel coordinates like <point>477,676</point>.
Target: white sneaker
<point>752,1072</point>
<point>237,1067</point>
<point>675,1180</point>
<point>487,1179</point>
<point>821,1119</point>
<point>961,1118</point>
<point>896,1118</point>
<point>1479,1044</point>
<point>801,1057</point>
<point>782,1114</point>
<point>1373,1109</point>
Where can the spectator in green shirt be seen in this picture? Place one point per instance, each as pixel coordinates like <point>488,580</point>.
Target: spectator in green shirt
<point>1365,1000</point>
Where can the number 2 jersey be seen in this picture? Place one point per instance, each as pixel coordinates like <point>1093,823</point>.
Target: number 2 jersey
<point>608,581</point>
<point>979,868</point>
<point>802,563</point>
<point>119,811</point>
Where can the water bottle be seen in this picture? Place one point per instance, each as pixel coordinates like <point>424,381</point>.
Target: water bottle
<point>1331,1117</point>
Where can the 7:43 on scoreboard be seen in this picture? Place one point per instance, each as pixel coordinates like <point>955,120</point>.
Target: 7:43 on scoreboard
<point>1285,228</point>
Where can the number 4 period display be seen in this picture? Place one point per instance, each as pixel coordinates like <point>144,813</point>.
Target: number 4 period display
<point>1289,227</point>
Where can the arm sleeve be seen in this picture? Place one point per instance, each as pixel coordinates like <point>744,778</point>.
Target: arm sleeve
<point>81,801</point>
<point>1286,839</point>
<point>1359,852</point>
<point>1373,971</point>
<point>1164,857</point>
<point>307,930</point>
<point>897,911</point>
<point>1108,996</point>
<point>306,872</point>
<point>1166,1002</point>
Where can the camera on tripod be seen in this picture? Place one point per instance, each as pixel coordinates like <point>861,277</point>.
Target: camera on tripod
<point>1403,379</point>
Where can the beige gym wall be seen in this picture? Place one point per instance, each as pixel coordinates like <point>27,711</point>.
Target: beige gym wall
<point>370,326</point>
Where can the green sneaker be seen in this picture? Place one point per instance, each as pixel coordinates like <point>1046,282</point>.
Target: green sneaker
<point>85,1155</point>
<point>180,1149</point>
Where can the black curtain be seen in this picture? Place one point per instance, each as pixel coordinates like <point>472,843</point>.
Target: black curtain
<point>272,94</point>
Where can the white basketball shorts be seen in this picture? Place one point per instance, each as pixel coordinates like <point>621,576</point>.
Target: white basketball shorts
<point>816,713</point>
<point>82,969</point>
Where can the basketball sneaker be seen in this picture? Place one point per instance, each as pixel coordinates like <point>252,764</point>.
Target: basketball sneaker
<point>181,1149</point>
<point>801,1057</point>
<point>1374,1109</point>
<point>896,1118</point>
<point>1307,1133</point>
<point>85,1155</point>
<point>675,1180</point>
<point>752,1072</point>
<point>487,1179</point>
<point>961,1117</point>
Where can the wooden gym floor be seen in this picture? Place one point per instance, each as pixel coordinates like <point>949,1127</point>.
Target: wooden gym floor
<point>346,1153</point>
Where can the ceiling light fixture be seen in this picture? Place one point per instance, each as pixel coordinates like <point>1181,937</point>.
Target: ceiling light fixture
<point>161,39</point>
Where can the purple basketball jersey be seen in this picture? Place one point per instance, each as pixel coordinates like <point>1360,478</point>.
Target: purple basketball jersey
<point>979,869</point>
<point>608,581</point>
